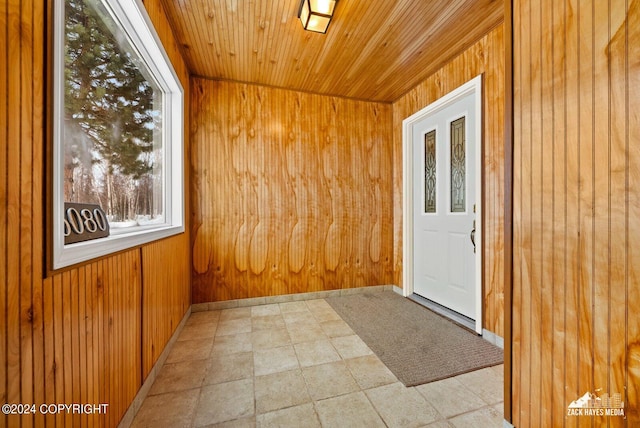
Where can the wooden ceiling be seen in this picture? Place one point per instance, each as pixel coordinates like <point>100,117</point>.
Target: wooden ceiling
<point>373,50</point>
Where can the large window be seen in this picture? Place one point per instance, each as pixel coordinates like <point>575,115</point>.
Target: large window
<point>117,124</point>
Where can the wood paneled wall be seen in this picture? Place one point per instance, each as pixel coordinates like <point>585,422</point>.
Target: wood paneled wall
<point>485,57</point>
<point>291,192</point>
<point>167,273</point>
<point>91,333</point>
<point>576,277</point>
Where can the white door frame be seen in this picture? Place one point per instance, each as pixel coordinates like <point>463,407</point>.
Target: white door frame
<point>473,86</point>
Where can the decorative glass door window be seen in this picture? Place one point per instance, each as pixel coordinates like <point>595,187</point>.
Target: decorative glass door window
<point>118,127</point>
<point>458,166</point>
<point>430,172</point>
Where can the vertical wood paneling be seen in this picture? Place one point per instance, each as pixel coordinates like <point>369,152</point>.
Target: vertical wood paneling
<point>291,192</point>
<point>547,217</point>
<point>534,209</point>
<point>485,57</point>
<point>631,59</point>
<point>74,336</point>
<point>13,214</point>
<point>166,264</point>
<point>575,280</point>
<point>166,295</point>
<point>556,244</point>
<point>4,148</point>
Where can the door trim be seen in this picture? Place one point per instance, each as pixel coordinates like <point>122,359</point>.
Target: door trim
<point>472,86</point>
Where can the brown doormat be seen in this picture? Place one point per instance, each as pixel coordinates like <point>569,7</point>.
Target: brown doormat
<point>416,344</point>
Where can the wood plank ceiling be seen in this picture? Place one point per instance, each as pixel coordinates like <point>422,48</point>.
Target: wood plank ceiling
<point>373,50</point>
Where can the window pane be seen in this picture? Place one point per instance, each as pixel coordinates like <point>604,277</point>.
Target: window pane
<point>113,152</point>
<point>430,172</point>
<point>458,173</point>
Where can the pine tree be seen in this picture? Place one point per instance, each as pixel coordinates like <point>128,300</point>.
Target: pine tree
<point>109,107</point>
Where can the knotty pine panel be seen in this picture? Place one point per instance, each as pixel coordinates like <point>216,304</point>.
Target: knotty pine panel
<point>576,269</point>
<point>486,57</point>
<point>74,336</point>
<point>291,192</point>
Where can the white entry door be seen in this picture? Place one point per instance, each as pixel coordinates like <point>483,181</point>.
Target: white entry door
<point>444,205</point>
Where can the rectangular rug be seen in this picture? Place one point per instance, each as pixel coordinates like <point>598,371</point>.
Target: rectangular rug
<point>416,344</point>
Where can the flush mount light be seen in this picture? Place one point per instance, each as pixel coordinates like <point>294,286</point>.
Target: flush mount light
<point>316,15</point>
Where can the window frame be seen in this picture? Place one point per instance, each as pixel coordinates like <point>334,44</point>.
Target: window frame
<point>133,20</point>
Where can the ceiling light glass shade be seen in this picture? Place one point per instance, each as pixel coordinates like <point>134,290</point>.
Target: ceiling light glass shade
<point>315,15</point>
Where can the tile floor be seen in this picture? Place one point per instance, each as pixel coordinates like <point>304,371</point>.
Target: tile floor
<point>298,364</point>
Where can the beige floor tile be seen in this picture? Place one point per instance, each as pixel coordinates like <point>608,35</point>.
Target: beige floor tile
<point>267,361</point>
<point>450,397</point>
<point>224,368</point>
<point>370,372</point>
<point>204,317</point>
<point>317,352</point>
<point>288,307</point>
<point>249,422</point>
<point>326,315</point>
<point>499,371</point>
<point>318,305</point>
<point>234,326</point>
<point>264,366</point>
<point>190,350</point>
<point>225,402</point>
<point>487,417</point>
<point>303,416</point>
<point>267,322</point>
<point>265,310</point>
<point>272,338</point>
<point>235,313</point>
<point>336,328</point>
<point>198,331</point>
<point>279,390</point>
<point>351,347</point>
<point>232,344</point>
<point>485,384</point>
<point>400,406</point>
<point>305,332</point>
<point>499,408</point>
<point>174,409</point>
<point>178,377</point>
<point>299,318</point>
<point>329,380</point>
<point>351,410</point>
<point>441,424</point>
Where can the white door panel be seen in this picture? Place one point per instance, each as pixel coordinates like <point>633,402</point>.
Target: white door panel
<point>444,163</point>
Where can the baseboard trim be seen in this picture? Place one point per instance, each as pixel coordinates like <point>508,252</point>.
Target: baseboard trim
<point>493,338</point>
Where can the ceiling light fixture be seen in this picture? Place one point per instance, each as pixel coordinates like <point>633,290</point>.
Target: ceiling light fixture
<point>316,15</point>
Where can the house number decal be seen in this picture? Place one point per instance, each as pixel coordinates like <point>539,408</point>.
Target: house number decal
<point>83,222</point>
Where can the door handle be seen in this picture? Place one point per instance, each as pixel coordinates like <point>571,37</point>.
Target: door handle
<point>473,236</point>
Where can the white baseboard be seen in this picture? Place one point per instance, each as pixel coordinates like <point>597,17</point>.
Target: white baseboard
<point>493,338</point>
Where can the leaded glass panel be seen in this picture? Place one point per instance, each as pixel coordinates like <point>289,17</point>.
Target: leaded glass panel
<point>430,172</point>
<point>458,170</point>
